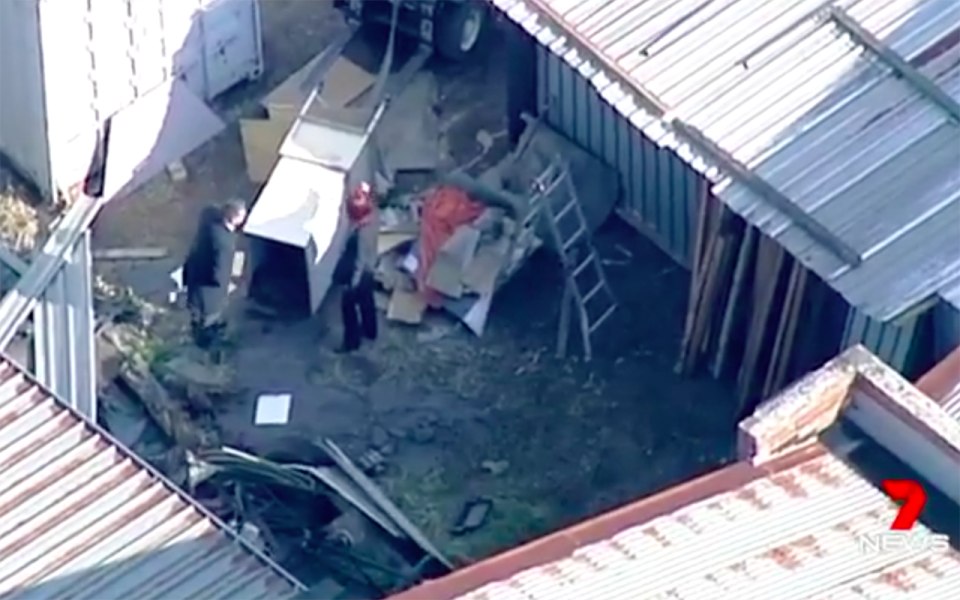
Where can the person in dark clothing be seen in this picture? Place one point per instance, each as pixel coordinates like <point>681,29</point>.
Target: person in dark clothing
<point>209,268</point>
<point>355,269</point>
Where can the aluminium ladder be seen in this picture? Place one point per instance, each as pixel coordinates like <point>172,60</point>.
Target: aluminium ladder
<point>554,199</point>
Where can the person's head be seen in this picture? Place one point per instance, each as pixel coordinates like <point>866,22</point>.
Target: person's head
<point>360,205</point>
<point>234,214</point>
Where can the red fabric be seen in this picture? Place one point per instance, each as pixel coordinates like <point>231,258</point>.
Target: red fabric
<point>360,204</point>
<point>446,209</point>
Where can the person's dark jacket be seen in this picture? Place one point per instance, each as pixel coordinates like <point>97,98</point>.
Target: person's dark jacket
<point>359,256</point>
<point>210,260</point>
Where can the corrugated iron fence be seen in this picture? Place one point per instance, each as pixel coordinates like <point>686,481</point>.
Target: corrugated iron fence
<point>661,193</point>
<point>891,342</point>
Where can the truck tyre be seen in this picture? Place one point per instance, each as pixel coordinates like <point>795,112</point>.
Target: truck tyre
<point>458,27</point>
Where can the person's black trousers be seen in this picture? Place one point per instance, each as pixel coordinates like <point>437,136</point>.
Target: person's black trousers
<point>359,313</point>
<point>206,306</point>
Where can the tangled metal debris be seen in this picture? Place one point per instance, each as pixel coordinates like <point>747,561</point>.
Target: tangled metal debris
<point>321,512</point>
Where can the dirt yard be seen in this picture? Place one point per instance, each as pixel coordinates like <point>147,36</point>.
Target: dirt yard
<point>549,442</point>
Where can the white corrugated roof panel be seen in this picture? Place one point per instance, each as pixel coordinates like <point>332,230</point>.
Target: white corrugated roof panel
<point>826,123</point>
<point>82,518</point>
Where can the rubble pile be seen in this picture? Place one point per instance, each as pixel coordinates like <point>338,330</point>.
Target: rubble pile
<point>454,245</point>
<point>444,249</point>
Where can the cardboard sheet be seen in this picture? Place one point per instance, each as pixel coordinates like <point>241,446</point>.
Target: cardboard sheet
<point>290,95</point>
<point>261,144</point>
<point>158,128</point>
<point>388,241</point>
<point>481,275</point>
<point>344,82</point>
<point>406,307</point>
<point>446,273</point>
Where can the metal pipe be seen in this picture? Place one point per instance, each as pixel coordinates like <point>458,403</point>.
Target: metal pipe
<point>79,356</point>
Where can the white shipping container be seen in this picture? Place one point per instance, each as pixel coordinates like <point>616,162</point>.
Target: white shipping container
<point>66,66</point>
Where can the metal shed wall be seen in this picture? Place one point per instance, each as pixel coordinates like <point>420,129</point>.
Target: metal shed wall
<point>892,342</point>
<point>85,60</point>
<point>99,57</point>
<point>661,192</point>
<point>23,136</point>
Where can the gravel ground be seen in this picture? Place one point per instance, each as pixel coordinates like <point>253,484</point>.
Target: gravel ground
<point>549,441</point>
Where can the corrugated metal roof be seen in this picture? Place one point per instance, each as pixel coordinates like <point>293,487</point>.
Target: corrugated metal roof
<point>784,522</point>
<point>951,403</point>
<point>82,518</point>
<point>797,103</point>
<point>790,536</point>
<point>942,384</point>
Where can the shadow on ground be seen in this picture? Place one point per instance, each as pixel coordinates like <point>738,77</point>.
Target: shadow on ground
<point>549,441</point>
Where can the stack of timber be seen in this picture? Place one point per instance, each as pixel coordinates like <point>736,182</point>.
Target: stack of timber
<point>747,298</point>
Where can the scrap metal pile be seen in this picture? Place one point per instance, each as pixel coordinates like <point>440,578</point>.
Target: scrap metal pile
<point>318,511</point>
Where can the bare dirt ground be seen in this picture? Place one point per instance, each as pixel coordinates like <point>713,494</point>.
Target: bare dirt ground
<point>548,441</point>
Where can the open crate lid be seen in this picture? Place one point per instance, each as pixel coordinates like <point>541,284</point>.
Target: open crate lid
<point>300,199</point>
<point>332,137</point>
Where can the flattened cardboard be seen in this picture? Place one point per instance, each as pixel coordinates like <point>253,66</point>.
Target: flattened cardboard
<point>391,240</point>
<point>481,275</point>
<point>294,91</point>
<point>446,273</point>
<point>261,145</point>
<point>406,307</point>
<point>345,82</point>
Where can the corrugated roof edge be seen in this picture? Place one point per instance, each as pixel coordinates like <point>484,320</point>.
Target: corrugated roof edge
<point>782,434</point>
<point>580,53</point>
<point>942,378</point>
<point>99,431</point>
<point>942,383</point>
<point>861,389</point>
<point>561,544</point>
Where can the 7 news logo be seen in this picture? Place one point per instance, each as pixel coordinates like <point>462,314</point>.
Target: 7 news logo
<point>902,535</point>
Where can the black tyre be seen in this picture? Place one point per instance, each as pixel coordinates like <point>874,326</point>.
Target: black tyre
<point>458,27</point>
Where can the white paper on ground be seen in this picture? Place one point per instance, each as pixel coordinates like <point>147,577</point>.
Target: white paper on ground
<point>177,278</point>
<point>272,409</point>
<point>476,317</point>
<point>410,263</point>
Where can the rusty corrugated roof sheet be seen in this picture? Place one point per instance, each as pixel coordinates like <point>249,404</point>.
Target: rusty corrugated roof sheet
<point>789,535</point>
<point>82,518</point>
<point>783,523</point>
<point>942,383</point>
